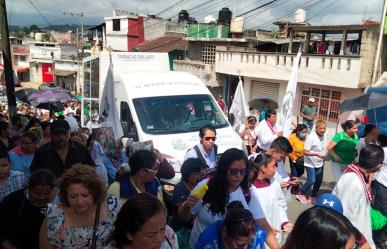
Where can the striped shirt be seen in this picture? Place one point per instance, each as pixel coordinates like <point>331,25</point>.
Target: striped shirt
<point>16,181</point>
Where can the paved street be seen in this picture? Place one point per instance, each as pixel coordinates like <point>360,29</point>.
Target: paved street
<point>295,207</point>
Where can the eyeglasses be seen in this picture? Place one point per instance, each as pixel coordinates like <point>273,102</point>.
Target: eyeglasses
<point>235,172</point>
<point>210,138</point>
<point>154,171</point>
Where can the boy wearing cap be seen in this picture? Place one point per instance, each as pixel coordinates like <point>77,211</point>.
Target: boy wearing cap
<point>61,153</point>
<point>308,113</point>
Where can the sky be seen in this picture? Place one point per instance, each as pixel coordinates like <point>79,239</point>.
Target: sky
<point>22,12</point>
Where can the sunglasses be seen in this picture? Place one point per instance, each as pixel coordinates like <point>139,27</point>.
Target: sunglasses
<point>235,172</point>
<point>209,138</point>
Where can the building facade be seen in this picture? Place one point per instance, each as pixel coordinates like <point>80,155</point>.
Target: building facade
<point>328,76</point>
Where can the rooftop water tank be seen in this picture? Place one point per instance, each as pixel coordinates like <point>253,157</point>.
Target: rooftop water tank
<point>237,24</point>
<point>183,16</point>
<point>225,15</point>
<point>299,16</point>
<point>39,37</point>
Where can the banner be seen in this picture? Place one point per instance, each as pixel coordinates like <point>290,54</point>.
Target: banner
<point>288,101</point>
<point>108,109</point>
<point>239,108</point>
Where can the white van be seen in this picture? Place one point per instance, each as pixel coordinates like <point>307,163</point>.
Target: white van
<point>169,108</point>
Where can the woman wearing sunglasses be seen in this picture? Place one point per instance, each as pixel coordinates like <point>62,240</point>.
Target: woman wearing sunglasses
<point>230,183</point>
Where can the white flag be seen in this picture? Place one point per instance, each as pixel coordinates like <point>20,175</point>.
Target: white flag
<point>108,109</point>
<point>288,101</point>
<point>239,107</point>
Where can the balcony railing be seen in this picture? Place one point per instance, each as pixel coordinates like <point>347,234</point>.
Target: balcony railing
<point>315,69</point>
<point>205,72</point>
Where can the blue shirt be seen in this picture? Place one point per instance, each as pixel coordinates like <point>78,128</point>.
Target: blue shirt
<point>21,163</point>
<point>209,238</point>
<point>127,189</point>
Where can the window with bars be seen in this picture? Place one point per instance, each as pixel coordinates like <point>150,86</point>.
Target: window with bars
<point>208,54</point>
<point>327,102</point>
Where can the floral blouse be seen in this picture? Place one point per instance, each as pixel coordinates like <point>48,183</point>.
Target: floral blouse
<point>79,238</point>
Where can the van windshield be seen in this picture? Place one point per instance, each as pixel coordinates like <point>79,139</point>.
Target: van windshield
<point>177,114</point>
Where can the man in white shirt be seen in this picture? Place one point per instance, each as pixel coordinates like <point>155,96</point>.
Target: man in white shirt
<point>268,130</point>
<point>206,150</point>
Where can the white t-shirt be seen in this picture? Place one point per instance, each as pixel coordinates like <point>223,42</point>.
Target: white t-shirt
<point>314,143</point>
<point>350,190</point>
<point>204,216</point>
<point>252,133</point>
<point>271,200</point>
<point>266,135</point>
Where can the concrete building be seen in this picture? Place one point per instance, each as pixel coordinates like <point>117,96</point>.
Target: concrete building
<point>331,70</point>
<point>63,37</point>
<point>53,62</point>
<point>124,30</point>
<point>200,59</point>
<point>20,58</point>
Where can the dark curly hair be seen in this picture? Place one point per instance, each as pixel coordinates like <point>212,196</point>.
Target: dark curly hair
<point>136,211</point>
<point>217,195</point>
<point>85,175</point>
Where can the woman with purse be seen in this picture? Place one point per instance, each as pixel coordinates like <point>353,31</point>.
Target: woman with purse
<point>84,217</point>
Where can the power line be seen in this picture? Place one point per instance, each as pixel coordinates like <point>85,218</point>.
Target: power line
<point>173,5</point>
<point>240,15</point>
<point>334,9</point>
<point>40,13</point>
<point>290,13</point>
<point>257,8</point>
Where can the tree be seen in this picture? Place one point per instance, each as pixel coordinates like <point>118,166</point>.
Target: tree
<point>34,28</point>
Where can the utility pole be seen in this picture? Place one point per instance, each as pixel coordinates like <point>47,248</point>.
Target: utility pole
<point>81,16</point>
<point>5,48</point>
<point>82,38</point>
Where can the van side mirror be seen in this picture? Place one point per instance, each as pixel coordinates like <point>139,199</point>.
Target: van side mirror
<point>231,118</point>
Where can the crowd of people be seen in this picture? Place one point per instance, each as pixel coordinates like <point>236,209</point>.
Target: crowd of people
<point>60,188</point>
